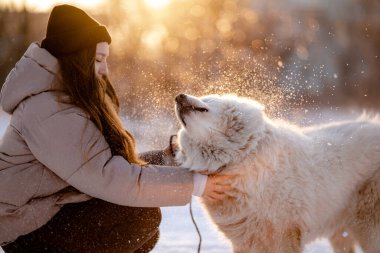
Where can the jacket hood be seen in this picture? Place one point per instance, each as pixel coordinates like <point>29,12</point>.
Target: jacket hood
<point>34,73</point>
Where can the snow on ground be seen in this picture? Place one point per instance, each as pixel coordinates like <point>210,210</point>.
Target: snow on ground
<point>178,234</point>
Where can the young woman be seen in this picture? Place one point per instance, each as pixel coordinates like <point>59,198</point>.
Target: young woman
<point>70,177</point>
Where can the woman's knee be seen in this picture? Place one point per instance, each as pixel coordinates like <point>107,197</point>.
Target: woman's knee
<point>155,216</point>
<point>139,219</point>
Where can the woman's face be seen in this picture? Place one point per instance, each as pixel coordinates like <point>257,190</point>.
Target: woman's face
<point>102,53</point>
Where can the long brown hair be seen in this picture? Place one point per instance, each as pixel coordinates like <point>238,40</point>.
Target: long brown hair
<point>97,97</point>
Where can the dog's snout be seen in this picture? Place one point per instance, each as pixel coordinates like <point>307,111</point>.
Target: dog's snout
<point>181,99</point>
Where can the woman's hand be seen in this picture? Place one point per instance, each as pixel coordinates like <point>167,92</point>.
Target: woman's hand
<point>218,187</point>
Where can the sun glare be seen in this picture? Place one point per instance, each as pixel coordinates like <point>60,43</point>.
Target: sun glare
<point>157,4</point>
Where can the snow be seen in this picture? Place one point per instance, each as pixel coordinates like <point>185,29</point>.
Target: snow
<point>178,234</point>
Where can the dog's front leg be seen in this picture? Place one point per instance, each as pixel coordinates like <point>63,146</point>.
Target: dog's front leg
<point>291,240</point>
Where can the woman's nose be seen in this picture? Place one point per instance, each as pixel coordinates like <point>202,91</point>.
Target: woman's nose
<point>103,70</point>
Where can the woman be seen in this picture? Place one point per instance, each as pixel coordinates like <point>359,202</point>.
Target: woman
<point>70,178</point>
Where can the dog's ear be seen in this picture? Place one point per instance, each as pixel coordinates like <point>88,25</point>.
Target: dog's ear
<point>172,148</point>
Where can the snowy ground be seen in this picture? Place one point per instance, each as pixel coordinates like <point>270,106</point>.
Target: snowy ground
<point>178,234</point>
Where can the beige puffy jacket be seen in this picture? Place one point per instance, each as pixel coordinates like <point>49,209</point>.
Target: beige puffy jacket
<point>51,154</point>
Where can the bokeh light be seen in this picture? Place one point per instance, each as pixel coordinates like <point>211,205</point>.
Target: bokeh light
<point>157,4</point>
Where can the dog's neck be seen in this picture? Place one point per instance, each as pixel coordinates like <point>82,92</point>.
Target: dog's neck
<point>251,153</point>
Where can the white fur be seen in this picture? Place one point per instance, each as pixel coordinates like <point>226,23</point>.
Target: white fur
<point>295,184</point>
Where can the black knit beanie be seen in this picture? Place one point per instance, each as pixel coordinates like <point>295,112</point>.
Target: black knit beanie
<point>70,29</point>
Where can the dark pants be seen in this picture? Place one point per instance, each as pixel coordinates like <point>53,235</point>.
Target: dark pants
<point>93,226</point>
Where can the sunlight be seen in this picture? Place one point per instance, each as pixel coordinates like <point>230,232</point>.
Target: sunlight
<point>157,4</point>
<point>46,5</point>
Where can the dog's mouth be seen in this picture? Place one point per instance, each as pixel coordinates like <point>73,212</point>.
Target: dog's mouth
<point>184,107</point>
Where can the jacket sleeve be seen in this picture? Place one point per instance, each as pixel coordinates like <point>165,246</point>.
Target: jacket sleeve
<point>72,147</point>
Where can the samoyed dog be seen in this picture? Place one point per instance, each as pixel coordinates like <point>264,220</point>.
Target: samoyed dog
<point>294,184</point>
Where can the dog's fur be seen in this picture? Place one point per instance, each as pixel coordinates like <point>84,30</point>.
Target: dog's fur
<point>295,184</point>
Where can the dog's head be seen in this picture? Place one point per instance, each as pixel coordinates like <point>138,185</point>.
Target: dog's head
<point>217,130</point>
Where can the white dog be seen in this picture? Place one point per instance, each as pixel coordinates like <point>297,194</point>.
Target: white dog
<point>295,184</point>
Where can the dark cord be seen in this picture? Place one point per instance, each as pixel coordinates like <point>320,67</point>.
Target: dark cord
<point>196,227</point>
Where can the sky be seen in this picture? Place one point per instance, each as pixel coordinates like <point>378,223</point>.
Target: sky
<point>46,5</point>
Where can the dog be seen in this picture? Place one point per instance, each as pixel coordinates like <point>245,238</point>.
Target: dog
<point>294,184</point>
<point>164,157</point>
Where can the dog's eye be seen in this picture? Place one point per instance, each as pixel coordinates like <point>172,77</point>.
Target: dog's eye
<point>200,109</point>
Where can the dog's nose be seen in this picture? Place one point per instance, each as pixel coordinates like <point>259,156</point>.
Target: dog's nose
<point>180,98</point>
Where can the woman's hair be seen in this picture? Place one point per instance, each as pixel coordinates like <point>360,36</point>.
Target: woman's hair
<point>97,97</point>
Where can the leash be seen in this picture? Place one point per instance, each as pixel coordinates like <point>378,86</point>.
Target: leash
<point>196,226</point>
<point>172,151</point>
